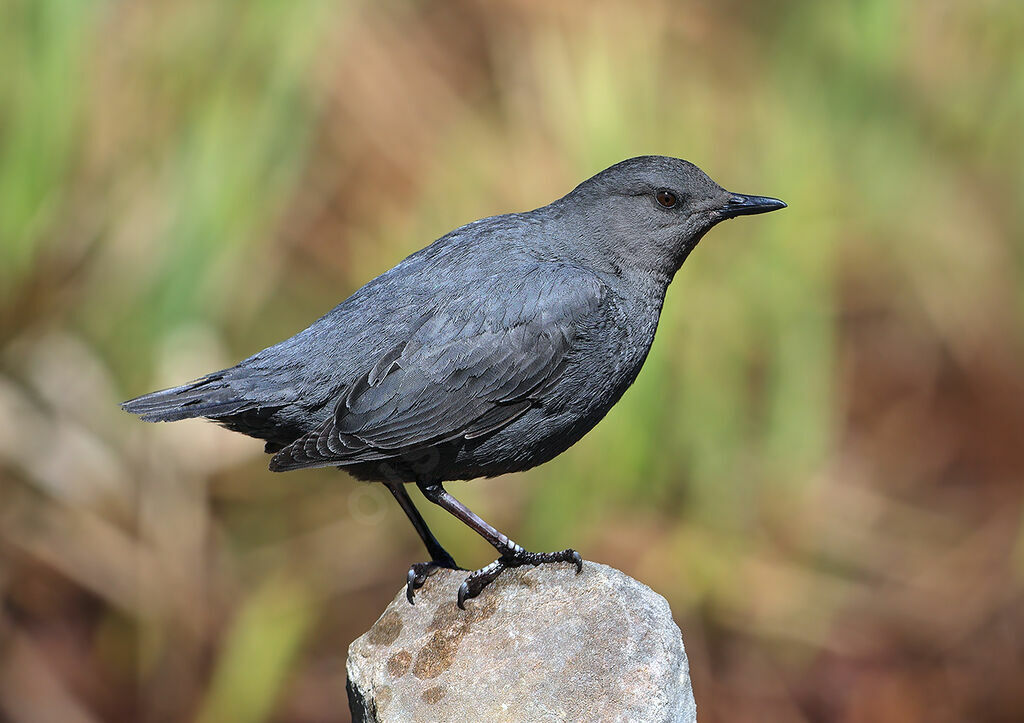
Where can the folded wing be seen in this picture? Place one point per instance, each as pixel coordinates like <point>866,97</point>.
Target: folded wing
<point>467,370</point>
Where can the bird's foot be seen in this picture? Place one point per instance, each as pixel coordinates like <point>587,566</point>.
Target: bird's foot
<point>420,571</point>
<point>478,580</point>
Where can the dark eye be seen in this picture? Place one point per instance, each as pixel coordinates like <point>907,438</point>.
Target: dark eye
<point>666,198</point>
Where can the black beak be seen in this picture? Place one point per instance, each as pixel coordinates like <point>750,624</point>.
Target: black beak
<point>740,205</point>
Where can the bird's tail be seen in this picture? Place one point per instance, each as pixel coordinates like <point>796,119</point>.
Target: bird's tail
<point>211,396</point>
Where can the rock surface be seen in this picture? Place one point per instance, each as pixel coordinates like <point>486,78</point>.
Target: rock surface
<point>539,644</point>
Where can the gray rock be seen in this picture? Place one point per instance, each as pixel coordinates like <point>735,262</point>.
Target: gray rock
<point>540,644</point>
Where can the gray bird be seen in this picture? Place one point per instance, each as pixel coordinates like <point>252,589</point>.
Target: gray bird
<point>492,350</point>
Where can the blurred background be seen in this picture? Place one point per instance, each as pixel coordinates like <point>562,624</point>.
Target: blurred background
<point>821,466</point>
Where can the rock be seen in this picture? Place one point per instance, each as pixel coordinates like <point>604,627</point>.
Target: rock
<point>539,644</point>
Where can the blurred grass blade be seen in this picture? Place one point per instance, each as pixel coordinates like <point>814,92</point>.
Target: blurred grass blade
<point>258,653</point>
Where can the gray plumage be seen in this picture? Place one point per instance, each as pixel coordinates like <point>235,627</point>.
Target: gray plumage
<point>490,351</point>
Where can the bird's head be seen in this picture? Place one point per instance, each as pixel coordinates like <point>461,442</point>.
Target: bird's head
<point>649,212</point>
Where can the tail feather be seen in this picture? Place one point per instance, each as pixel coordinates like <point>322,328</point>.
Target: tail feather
<point>210,396</point>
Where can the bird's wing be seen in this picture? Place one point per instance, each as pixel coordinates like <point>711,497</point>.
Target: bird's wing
<point>468,369</point>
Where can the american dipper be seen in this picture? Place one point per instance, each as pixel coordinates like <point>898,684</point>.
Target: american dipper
<point>492,350</point>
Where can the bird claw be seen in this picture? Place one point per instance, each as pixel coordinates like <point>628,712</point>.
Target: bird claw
<point>420,571</point>
<point>475,583</point>
<point>577,560</point>
<point>479,579</point>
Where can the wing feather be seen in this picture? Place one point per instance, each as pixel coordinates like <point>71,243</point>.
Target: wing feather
<point>463,373</point>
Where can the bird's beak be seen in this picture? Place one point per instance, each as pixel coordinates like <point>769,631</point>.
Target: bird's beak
<point>740,205</point>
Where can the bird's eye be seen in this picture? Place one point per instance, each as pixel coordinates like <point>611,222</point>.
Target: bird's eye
<point>666,198</point>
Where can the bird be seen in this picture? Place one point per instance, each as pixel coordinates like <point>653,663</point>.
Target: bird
<point>490,351</point>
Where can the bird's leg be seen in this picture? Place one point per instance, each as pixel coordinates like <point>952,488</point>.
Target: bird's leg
<point>439,557</point>
<point>509,553</point>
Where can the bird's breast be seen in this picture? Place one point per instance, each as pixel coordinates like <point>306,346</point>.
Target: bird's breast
<point>616,354</point>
